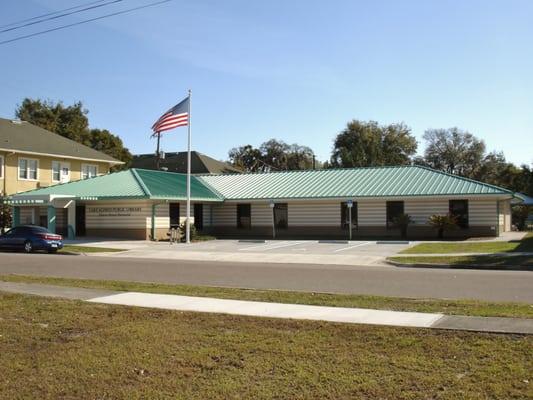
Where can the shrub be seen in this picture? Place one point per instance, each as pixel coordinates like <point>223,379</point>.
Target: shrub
<point>402,221</point>
<point>192,231</point>
<point>442,223</point>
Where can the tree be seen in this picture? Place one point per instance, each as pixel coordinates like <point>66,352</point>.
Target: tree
<point>6,216</point>
<point>68,121</point>
<point>365,144</point>
<point>454,151</point>
<point>112,145</point>
<point>72,123</point>
<point>246,158</point>
<point>272,155</point>
<point>275,153</point>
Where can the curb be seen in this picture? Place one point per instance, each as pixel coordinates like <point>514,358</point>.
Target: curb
<point>463,266</point>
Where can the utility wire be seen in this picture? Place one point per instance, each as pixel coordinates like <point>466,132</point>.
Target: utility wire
<point>50,13</point>
<point>84,21</point>
<point>59,16</point>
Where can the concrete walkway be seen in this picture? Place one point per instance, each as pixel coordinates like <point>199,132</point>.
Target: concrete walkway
<point>278,310</point>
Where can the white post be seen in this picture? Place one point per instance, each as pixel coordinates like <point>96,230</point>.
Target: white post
<point>349,204</point>
<point>272,205</point>
<point>188,221</point>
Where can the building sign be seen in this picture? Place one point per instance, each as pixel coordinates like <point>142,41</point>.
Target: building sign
<point>114,211</point>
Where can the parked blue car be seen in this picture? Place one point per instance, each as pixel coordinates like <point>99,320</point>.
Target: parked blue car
<point>29,238</point>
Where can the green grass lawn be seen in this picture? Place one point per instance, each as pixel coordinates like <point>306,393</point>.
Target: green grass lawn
<point>484,260</point>
<point>457,307</point>
<point>61,349</point>
<point>525,245</point>
<point>70,248</point>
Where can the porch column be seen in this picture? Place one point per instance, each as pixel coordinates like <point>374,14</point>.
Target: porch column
<point>71,222</point>
<point>51,214</point>
<point>16,217</point>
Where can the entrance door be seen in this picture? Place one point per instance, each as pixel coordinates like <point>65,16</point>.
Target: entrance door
<point>199,216</point>
<point>80,220</point>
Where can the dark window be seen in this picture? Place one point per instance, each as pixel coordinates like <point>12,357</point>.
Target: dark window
<point>244,216</point>
<point>394,208</point>
<point>174,214</point>
<point>281,217</point>
<point>37,229</point>
<point>459,209</point>
<point>199,216</point>
<point>345,219</point>
<point>80,220</point>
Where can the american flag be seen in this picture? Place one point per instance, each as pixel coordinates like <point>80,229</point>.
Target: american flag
<point>176,116</point>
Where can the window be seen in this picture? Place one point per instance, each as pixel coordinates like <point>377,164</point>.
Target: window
<point>60,171</point>
<point>281,218</point>
<point>345,216</point>
<point>88,171</point>
<point>1,167</point>
<point>28,168</point>
<point>174,214</point>
<point>394,208</point>
<point>199,216</point>
<point>244,216</point>
<point>459,209</point>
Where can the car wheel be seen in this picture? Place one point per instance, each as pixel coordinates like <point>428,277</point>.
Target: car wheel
<point>28,247</point>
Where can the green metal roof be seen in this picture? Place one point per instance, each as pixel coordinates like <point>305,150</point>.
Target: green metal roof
<point>346,183</point>
<point>168,185</point>
<point>401,181</point>
<point>133,183</point>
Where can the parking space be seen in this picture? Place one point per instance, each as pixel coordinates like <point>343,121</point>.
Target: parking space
<point>322,247</point>
<point>322,252</point>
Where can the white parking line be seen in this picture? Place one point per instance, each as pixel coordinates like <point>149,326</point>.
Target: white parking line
<point>352,247</point>
<point>272,246</point>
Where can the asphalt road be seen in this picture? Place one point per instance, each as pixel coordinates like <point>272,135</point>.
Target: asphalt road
<point>372,280</point>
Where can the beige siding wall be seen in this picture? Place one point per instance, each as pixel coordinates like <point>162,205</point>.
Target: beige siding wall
<point>225,214</point>
<point>314,213</point>
<point>162,220</point>
<point>420,210</point>
<point>207,215</point>
<point>262,214</point>
<point>483,212</point>
<point>371,213</point>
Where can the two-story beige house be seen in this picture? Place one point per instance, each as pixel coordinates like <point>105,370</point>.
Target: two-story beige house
<point>33,158</point>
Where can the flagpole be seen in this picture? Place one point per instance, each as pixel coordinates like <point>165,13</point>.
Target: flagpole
<point>187,222</point>
<point>157,155</point>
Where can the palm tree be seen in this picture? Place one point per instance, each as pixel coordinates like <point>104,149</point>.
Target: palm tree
<point>442,223</point>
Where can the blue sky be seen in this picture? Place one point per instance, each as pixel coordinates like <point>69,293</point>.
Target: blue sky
<point>292,70</point>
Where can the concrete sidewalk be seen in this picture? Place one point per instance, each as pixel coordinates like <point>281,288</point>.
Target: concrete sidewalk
<point>278,310</point>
